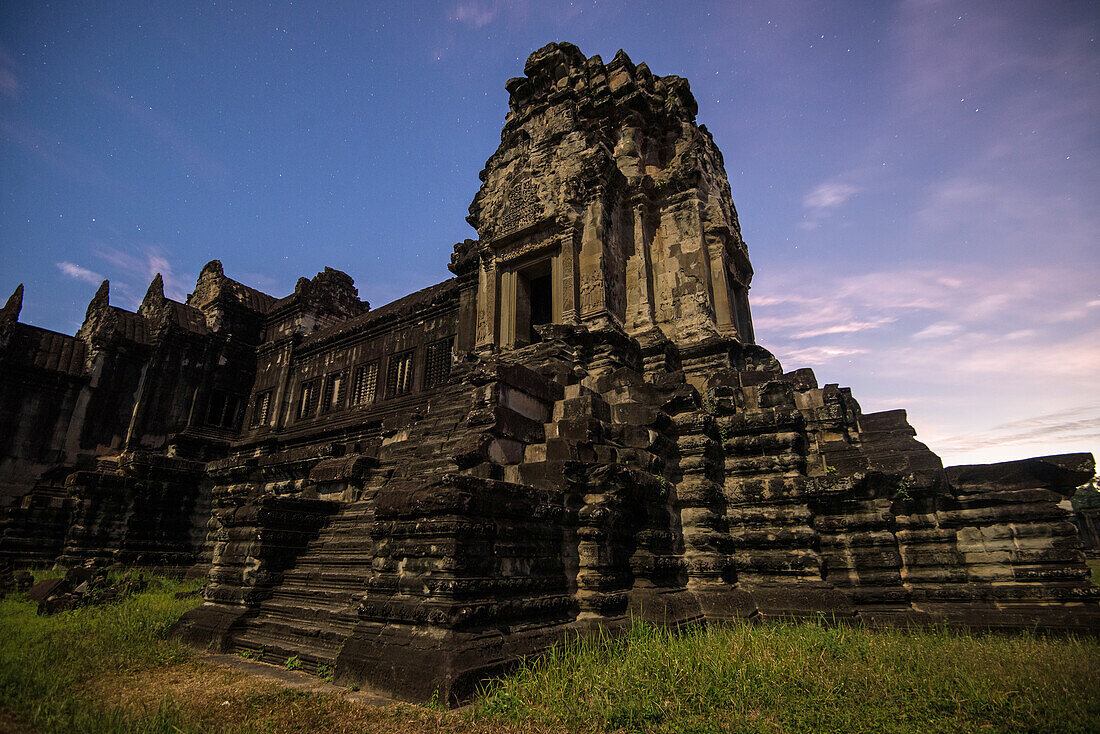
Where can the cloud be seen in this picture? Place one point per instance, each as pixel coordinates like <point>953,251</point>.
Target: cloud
<point>848,327</point>
<point>817,355</point>
<point>1075,360</point>
<point>937,325</point>
<point>80,273</point>
<point>133,270</point>
<point>925,303</point>
<point>938,330</point>
<point>829,196</point>
<point>516,14</point>
<point>976,348</point>
<point>476,14</point>
<point>1079,423</point>
<point>823,200</point>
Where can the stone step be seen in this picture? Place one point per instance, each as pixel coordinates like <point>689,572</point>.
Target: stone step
<point>765,444</point>
<point>323,571</point>
<point>581,428</point>
<point>293,614</point>
<point>586,404</point>
<point>266,649</point>
<point>321,598</point>
<point>297,631</point>
<point>306,578</point>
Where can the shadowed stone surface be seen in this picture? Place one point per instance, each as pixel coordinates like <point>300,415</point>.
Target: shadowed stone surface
<point>576,429</point>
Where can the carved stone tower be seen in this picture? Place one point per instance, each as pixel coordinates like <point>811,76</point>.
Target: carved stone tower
<point>607,206</point>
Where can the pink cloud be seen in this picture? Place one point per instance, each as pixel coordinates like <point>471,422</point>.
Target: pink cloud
<point>80,273</point>
<point>829,195</point>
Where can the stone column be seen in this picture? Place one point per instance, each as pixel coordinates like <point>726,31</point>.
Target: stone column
<point>593,289</point>
<point>507,308</point>
<point>486,305</point>
<point>639,273</point>
<point>566,270</point>
<point>720,287</point>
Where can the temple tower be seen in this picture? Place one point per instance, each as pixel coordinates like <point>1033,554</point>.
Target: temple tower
<point>606,206</point>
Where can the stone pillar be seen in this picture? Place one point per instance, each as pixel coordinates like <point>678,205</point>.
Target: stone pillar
<point>566,272</point>
<point>487,305</point>
<point>557,289</point>
<point>639,299</point>
<point>720,288</point>
<point>509,289</point>
<point>744,315</point>
<point>593,288</point>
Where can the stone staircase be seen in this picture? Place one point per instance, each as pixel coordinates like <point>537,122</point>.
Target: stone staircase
<point>313,611</point>
<point>610,456</point>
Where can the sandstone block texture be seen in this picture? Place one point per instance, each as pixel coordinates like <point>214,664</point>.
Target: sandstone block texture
<point>575,430</point>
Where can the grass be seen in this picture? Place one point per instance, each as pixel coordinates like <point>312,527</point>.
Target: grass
<point>46,661</point>
<point>1094,566</point>
<point>111,669</point>
<point>806,677</point>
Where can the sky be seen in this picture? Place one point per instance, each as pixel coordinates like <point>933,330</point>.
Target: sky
<point>918,182</point>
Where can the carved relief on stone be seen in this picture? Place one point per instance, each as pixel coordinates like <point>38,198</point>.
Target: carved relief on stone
<point>523,208</point>
<point>522,249</point>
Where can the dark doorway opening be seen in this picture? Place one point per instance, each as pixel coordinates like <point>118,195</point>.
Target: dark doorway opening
<point>542,304</point>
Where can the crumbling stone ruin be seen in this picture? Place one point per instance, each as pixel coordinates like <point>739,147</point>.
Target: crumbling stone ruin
<point>87,585</point>
<point>576,429</point>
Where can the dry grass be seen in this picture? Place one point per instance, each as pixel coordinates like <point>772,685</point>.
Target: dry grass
<point>112,669</point>
<point>220,699</point>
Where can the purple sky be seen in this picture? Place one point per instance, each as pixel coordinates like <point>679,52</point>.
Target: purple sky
<point>918,182</point>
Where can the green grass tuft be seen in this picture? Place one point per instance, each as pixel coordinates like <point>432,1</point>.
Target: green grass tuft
<point>45,661</point>
<point>804,677</point>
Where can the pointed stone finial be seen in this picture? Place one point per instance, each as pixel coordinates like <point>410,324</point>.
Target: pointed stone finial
<point>154,297</point>
<point>622,59</point>
<point>214,267</point>
<point>100,300</point>
<point>155,292</point>
<point>97,310</point>
<point>11,309</point>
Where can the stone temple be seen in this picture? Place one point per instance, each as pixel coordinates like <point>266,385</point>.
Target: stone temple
<point>576,429</point>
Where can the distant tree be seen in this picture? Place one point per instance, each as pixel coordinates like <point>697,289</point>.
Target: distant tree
<point>1087,495</point>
